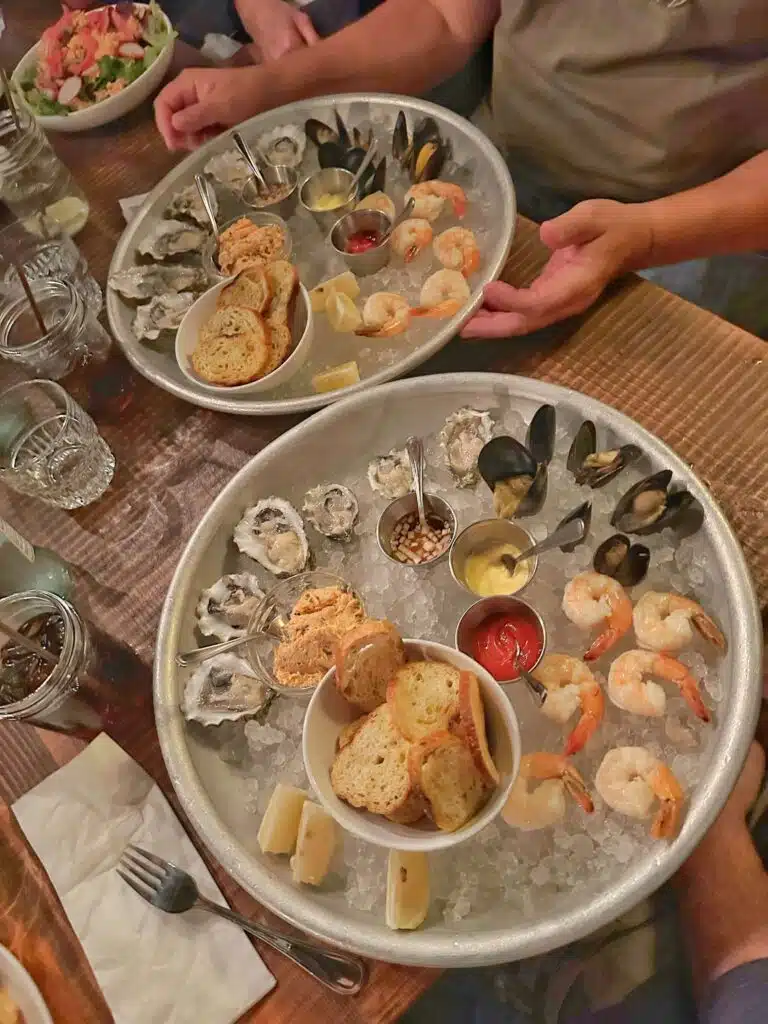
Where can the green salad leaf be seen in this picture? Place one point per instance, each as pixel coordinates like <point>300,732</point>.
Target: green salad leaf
<point>155,28</point>
<point>42,105</point>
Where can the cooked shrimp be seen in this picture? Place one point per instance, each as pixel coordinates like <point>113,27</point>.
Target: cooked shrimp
<point>379,201</point>
<point>629,689</point>
<point>629,779</point>
<point>529,809</point>
<point>410,237</point>
<point>443,294</point>
<point>384,314</point>
<point>664,622</point>
<point>430,197</point>
<point>570,686</point>
<point>457,249</point>
<point>591,599</point>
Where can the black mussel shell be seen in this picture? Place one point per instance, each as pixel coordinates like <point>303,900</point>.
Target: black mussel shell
<point>400,140</point>
<point>625,562</point>
<point>583,445</point>
<point>353,158</point>
<point>427,130</point>
<point>331,154</point>
<point>510,471</point>
<point>644,504</point>
<point>374,180</point>
<point>534,500</point>
<point>341,130</point>
<point>583,512</point>
<point>540,439</point>
<point>681,512</point>
<point>601,467</point>
<point>428,162</point>
<point>360,141</point>
<point>319,132</point>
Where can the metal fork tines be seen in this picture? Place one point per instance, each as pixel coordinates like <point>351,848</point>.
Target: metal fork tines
<point>170,889</point>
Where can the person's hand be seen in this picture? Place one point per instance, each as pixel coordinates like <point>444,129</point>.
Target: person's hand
<point>591,244</point>
<point>746,790</point>
<point>201,102</point>
<point>276,27</point>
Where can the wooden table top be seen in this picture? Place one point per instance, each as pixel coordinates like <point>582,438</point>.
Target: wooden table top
<point>697,382</point>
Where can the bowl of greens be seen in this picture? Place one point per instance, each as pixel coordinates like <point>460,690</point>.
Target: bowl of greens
<point>92,67</point>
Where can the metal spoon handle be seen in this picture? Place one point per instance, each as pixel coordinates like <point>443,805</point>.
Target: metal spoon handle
<point>570,533</point>
<point>201,654</point>
<point>415,451</point>
<point>247,153</point>
<point>537,690</point>
<point>363,167</point>
<point>203,187</point>
<point>404,214</point>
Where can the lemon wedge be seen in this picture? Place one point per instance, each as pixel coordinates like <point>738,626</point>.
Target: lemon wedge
<point>345,283</point>
<point>342,376</point>
<point>70,213</point>
<point>343,315</point>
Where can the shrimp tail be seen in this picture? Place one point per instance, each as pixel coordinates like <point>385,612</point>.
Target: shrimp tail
<point>603,643</point>
<point>443,309</point>
<point>459,204</point>
<point>411,253</point>
<point>593,709</point>
<point>671,668</point>
<point>471,263</point>
<point>577,789</point>
<point>709,630</point>
<point>667,821</point>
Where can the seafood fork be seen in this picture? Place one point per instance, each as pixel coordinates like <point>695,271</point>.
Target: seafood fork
<point>170,889</point>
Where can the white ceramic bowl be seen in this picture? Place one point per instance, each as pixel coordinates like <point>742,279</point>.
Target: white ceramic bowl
<point>106,110</point>
<point>22,989</point>
<point>189,332</point>
<point>329,712</point>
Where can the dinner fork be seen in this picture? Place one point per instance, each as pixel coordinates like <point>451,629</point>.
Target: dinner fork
<point>170,889</point>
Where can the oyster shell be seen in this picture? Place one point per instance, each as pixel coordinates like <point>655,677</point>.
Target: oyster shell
<point>224,689</point>
<point>332,509</point>
<point>230,170</point>
<point>283,145</point>
<point>163,313</point>
<point>170,238</point>
<point>225,609</point>
<point>187,203</point>
<point>465,433</point>
<point>144,282</point>
<point>390,475</point>
<point>272,533</point>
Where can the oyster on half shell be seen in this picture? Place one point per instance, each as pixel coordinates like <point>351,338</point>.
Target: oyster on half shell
<point>171,238</point>
<point>230,170</point>
<point>224,689</point>
<point>272,533</point>
<point>283,145</point>
<point>225,609</point>
<point>143,283</point>
<point>332,509</point>
<point>390,475</point>
<point>465,433</point>
<point>163,313</point>
<point>187,203</point>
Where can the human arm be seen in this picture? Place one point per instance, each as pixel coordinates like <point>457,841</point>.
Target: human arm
<point>600,239</point>
<point>275,26</point>
<point>400,46</point>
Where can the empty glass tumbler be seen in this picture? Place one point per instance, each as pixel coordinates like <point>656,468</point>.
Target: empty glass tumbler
<point>46,252</point>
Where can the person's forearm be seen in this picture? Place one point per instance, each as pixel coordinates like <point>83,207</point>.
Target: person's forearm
<point>727,215</point>
<point>723,897</point>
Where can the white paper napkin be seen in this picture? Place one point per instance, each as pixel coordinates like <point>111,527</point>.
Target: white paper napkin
<point>131,205</point>
<point>153,967</point>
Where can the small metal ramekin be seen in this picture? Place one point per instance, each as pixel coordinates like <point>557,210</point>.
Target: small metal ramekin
<point>400,507</point>
<point>484,534</point>
<point>330,180</point>
<point>483,609</point>
<point>274,174</point>
<point>373,259</point>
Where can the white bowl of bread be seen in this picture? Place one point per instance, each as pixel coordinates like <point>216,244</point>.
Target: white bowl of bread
<point>409,744</point>
<point>248,333</point>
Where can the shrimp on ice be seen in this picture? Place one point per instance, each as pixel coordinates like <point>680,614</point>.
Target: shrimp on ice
<point>443,294</point>
<point>571,686</point>
<point>457,249</point>
<point>666,622</point>
<point>530,809</point>
<point>380,202</point>
<point>409,238</point>
<point>630,779</point>
<point>430,197</point>
<point>384,314</point>
<point>591,599</point>
<point>630,690</point>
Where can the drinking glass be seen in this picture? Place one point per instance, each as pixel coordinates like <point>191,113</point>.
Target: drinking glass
<point>50,447</point>
<point>46,252</point>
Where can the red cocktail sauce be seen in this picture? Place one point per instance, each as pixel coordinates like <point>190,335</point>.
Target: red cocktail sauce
<point>362,241</point>
<point>506,640</point>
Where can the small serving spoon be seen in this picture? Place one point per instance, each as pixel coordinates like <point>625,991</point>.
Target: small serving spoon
<point>570,533</point>
<point>362,169</point>
<point>203,187</point>
<point>537,690</point>
<point>404,214</point>
<point>274,630</point>
<point>247,154</point>
<point>415,451</point>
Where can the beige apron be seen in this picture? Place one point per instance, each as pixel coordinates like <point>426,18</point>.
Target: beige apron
<point>631,98</point>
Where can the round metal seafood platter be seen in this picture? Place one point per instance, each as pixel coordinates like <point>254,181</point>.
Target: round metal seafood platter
<point>456,241</point>
<point>508,892</point>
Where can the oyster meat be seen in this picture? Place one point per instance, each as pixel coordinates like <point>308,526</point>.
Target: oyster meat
<point>224,689</point>
<point>272,533</point>
<point>230,170</point>
<point>225,609</point>
<point>465,433</point>
<point>144,282</point>
<point>163,313</point>
<point>170,238</point>
<point>332,509</point>
<point>283,145</point>
<point>390,475</point>
<point>187,203</point>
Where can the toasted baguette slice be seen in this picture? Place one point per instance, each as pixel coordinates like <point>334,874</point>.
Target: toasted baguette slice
<point>472,721</point>
<point>283,284</point>
<point>367,658</point>
<point>372,771</point>
<point>424,698</point>
<point>280,824</point>
<point>233,348</point>
<point>413,810</point>
<point>314,846</point>
<point>251,288</point>
<point>407,889</point>
<point>443,768</point>
<point>347,734</point>
<point>10,1013</point>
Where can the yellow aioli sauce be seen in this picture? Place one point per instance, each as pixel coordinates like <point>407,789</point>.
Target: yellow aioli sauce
<point>329,201</point>
<point>486,575</point>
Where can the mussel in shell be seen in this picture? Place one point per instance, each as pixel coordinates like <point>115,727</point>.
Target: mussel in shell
<point>596,468</point>
<point>625,562</point>
<point>583,512</point>
<point>518,483</point>
<point>424,155</point>
<point>319,132</point>
<point>540,439</point>
<point>649,506</point>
